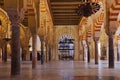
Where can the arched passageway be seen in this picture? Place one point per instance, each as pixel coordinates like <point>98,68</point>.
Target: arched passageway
<point>38,48</point>
<point>66,48</point>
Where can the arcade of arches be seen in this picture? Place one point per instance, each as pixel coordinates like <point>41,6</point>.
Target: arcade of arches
<point>39,32</point>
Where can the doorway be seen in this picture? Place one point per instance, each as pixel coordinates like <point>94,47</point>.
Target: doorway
<point>66,48</point>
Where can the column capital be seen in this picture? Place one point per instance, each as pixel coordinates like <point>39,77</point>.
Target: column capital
<point>13,14</point>
<point>96,38</point>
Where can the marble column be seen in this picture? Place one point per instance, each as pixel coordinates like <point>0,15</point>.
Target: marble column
<point>110,30</point>
<point>15,43</point>
<point>42,51</point>
<point>5,52</point>
<point>111,52</point>
<point>96,49</point>
<point>118,56</point>
<point>47,53</point>
<point>23,54</point>
<point>83,51</point>
<point>50,53</point>
<point>34,50</point>
<point>88,52</point>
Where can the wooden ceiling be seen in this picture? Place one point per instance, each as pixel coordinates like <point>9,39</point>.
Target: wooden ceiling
<point>64,12</point>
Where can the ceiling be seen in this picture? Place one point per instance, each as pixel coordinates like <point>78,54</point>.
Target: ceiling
<point>64,12</point>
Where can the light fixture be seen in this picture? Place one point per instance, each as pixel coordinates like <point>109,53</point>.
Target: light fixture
<point>88,8</point>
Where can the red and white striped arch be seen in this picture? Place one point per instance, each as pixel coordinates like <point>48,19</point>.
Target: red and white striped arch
<point>98,25</point>
<point>118,37</point>
<point>84,37</point>
<point>89,35</point>
<point>114,10</point>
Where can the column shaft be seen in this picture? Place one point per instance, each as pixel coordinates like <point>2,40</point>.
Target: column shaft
<point>88,52</point>
<point>15,56</point>
<point>118,56</point>
<point>49,53</point>
<point>111,53</point>
<point>42,51</point>
<point>5,52</point>
<point>83,51</point>
<point>96,52</point>
<point>34,50</point>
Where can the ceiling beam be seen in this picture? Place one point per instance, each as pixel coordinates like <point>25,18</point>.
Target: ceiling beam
<point>67,17</point>
<point>64,7</point>
<point>67,0</point>
<point>65,3</point>
<point>63,14</point>
<point>64,10</point>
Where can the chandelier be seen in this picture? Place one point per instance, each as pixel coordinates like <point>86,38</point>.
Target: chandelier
<point>88,8</point>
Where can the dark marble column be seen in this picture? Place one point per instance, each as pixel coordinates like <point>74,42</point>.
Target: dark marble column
<point>111,52</point>
<point>46,53</point>
<point>34,50</point>
<point>15,44</point>
<point>83,51</point>
<point>49,53</point>
<point>96,49</point>
<point>88,52</point>
<point>110,30</point>
<point>42,51</point>
<point>118,56</point>
<point>4,52</point>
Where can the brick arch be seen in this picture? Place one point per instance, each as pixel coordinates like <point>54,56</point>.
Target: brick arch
<point>114,11</point>
<point>5,23</point>
<point>98,25</point>
<point>4,15</point>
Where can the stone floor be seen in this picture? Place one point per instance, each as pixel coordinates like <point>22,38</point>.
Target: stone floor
<point>62,70</point>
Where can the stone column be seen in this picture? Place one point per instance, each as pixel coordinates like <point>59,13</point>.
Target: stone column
<point>118,56</point>
<point>15,56</point>
<point>42,51</point>
<point>96,49</point>
<point>88,52</point>
<point>83,51</point>
<point>111,52</point>
<point>110,30</point>
<point>47,52</point>
<point>5,52</point>
<point>50,51</point>
<point>23,54</point>
<point>34,50</point>
<point>28,54</point>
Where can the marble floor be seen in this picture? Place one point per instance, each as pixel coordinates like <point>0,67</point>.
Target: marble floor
<point>62,70</point>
